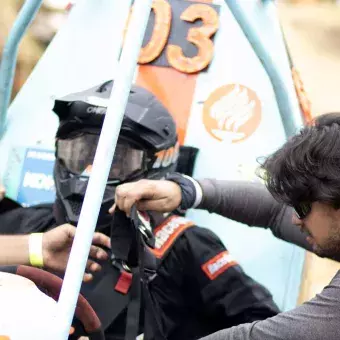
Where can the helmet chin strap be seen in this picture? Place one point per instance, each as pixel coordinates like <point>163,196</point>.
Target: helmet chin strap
<point>70,192</point>
<point>61,208</point>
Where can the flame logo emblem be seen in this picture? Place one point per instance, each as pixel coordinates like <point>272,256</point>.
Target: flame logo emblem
<point>232,112</point>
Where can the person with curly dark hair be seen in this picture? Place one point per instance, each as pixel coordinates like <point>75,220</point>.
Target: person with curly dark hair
<point>300,204</point>
<point>304,174</point>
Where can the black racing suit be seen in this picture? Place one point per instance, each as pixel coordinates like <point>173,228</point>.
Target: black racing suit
<point>199,287</point>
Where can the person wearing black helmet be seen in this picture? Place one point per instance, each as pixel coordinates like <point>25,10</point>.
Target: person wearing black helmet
<point>148,131</point>
<point>191,285</point>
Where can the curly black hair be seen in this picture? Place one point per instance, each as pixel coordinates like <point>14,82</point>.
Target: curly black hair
<point>306,168</point>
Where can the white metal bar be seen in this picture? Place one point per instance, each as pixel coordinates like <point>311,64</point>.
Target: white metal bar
<point>101,166</point>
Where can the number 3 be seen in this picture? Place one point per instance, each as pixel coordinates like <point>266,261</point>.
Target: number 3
<point>199,36</point>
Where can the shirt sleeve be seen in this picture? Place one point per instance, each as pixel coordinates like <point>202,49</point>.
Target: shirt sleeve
<point>314,320</point>
<point>251,204</point>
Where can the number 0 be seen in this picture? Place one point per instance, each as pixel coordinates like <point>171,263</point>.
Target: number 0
<point>160,34</point>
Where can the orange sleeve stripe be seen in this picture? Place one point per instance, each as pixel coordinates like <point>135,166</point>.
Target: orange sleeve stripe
<point>159,252</point>
<point>218,264</point>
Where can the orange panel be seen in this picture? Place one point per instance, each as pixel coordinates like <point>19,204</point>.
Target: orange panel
<point>173,88</point>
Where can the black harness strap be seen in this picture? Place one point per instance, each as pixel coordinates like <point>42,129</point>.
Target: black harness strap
<point>105,300</point>
<point>135,260</point>
<point>125,280</point>
<point>143,273</point>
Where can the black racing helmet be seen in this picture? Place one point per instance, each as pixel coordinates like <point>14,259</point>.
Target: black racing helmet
<point>147,146</point>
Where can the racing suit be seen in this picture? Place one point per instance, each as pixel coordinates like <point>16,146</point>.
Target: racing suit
<point>199,288</point>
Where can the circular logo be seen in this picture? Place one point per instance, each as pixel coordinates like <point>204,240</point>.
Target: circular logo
<point>232,112</point>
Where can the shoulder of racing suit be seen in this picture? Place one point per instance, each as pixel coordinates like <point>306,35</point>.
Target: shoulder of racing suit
<point>21,220</point>
<point>167,233</point>
<point>180,234</point>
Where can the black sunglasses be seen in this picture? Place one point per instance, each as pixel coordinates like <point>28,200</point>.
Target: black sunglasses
<point>302,210</point>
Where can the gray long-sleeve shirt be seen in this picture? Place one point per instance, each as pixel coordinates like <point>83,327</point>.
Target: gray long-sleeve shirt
<point>252,204</point>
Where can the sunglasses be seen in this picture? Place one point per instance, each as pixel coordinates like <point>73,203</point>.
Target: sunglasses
<point>302,210</point>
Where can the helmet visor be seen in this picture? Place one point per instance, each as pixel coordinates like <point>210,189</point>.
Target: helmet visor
<point>77,155</point>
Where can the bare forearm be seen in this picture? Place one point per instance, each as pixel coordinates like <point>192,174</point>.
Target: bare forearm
<point>14,250</point>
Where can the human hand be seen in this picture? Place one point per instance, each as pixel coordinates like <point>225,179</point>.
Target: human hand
<point>57,245</point>
<point>154,195</point>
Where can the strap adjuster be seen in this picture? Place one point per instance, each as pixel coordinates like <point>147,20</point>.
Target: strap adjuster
<point>124,282</point>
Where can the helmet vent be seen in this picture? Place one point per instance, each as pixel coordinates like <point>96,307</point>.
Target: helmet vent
<point>166,130</point>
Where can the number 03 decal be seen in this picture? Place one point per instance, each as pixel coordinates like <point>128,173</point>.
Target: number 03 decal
<point>199,36</point>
